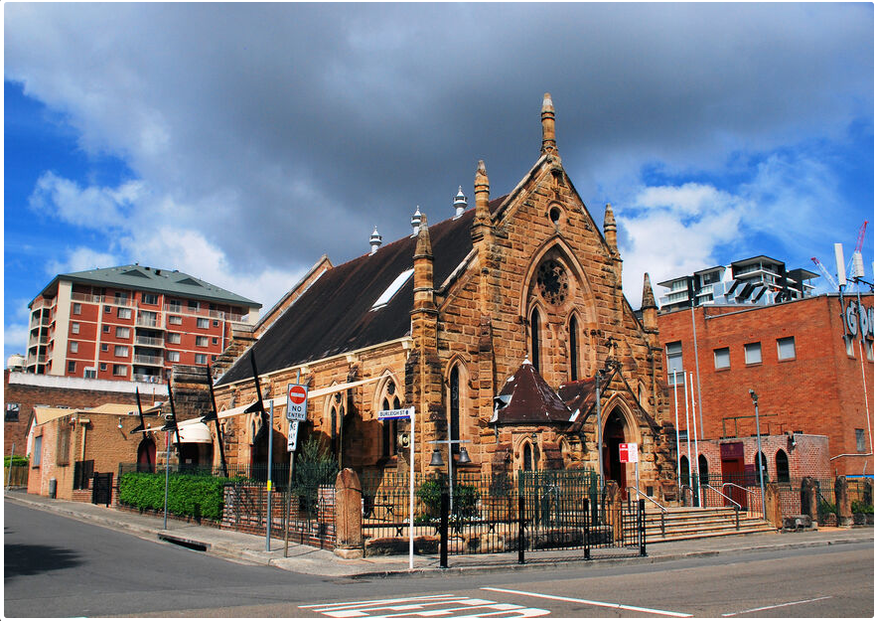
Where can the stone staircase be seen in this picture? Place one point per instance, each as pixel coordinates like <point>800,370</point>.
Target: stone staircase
<point>680,523</point>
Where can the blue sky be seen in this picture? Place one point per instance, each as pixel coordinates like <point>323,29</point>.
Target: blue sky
<point>240,142</point>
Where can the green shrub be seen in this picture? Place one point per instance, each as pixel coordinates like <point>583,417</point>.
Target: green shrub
<point>197,496</point>
<point>15,460</point>
<point>465,499</point>
<point>825,507</point>
<point>858,506</point>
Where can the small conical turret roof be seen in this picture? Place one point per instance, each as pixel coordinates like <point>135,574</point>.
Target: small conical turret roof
<point>527,398</point>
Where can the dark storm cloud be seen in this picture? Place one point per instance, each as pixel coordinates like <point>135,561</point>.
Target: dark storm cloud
<point>313,123</point>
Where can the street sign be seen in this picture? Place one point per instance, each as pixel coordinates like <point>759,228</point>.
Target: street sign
<point>296,402</point>
<point>403,413</point>
<point>629,453</point>
<point>293,436</point>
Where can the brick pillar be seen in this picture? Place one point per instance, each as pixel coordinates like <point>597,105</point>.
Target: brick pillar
<point>774,505</point>
<point>809,499</point>
<point>843,504</point>
<point>348,515</point>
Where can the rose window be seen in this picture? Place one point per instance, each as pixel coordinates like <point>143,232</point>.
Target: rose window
<point>553,282</point>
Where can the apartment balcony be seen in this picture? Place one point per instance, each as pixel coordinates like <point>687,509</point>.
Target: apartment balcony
<point>152,361</point>
<point>88,297</point>
<point>147,378</point>
<point>148,341</point>
<point>40,359</point>
<point>148,322</point>
<point>181,309</point>
<point>42,339</point>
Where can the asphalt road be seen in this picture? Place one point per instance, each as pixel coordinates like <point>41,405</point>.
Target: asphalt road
<point>57,567</point>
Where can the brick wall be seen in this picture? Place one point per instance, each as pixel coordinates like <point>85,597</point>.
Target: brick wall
<point>819,391</point>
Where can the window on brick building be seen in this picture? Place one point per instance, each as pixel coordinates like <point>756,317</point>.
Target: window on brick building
<point>175,320</point>
<point>121,351</point>
<point>62,446</point>
<point>77,308</point>
<point>173,338</point>
<point>12,412</point>
<point>573,349</point>
<point>121,298</point>
<point>74,347</point>
<point>37,453</point>
<point>173,356</point>
<point>103,366</point>
<point>123,333</point>
<point>203,323</point>
<point>150,298</point>
<point>71,366</point>
<point>106,329</point>
<point>107,309</point>
<point>722,358</point>
<point>90,373</point>
<point>684,469</point>
<point>752,353</point>
<point>782,472</point>
<point>786,348</point>
<point>200,358</point>
<point>674,364</point>
<point>74,327</point>
<point>201,341</point>
<point>704,469</point>
<point>860,446</point>
<point>389,400</point>
<point>215,341</point>
<point>193,305</point>
<point>124,313</point>
<point>120,369</point>
<point>868,350</point>
<point>104,347</point>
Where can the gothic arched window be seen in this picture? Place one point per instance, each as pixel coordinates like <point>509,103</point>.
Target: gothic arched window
<point>573,349</point>
<point>782,471</point>
<point>453,418</point>
<point>535,339</point>
<point>389,401</point>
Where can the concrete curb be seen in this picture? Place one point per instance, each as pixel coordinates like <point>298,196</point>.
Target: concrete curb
<point>240,554</point>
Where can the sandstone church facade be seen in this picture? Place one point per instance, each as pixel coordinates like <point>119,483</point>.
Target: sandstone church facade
<point>492,325</point>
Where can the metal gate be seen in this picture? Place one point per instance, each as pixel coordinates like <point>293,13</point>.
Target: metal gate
<point>102,489</point>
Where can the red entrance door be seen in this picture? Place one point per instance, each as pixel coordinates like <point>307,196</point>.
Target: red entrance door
<point>733,471</point>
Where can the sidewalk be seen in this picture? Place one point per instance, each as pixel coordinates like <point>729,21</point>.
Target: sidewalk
<point>250,549</point>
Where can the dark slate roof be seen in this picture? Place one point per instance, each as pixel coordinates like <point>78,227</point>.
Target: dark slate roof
<point>527,398</point>
<point>140,277</point>
<point>579,396</point>
<point>334,315</point>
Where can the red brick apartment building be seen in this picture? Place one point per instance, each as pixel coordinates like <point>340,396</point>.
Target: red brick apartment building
<point>130,323</point>
<point>810,361</point>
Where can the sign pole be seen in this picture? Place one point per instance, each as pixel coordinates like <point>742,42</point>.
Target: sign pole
<point>270,459</point>
<point>411,497</point>
<point>296,411</point>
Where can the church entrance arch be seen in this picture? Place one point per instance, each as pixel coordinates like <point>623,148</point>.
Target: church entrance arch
<point>613,435</point>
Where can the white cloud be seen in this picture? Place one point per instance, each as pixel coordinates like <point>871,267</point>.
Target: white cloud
<point>81,259</point>
<point>91,207</point>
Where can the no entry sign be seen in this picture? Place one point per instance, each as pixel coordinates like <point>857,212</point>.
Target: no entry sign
<point>629,453</point>
<point>296,402</point>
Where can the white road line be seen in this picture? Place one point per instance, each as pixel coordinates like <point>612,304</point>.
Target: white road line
<point>444,606</point>
<point>376,601</point>
<point>666,613</point>
<point>802,601</point>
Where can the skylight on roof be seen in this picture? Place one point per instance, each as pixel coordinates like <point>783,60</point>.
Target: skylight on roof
<point>392,289</point>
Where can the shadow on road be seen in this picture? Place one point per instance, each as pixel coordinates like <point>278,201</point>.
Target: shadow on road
<point>29,560</point>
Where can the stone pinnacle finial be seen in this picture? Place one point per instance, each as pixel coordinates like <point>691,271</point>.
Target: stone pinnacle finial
<point>482,194</point>
<point>424,243</point>
<point>610,227</point>
<point>648,300</point>
<point>548,129</point>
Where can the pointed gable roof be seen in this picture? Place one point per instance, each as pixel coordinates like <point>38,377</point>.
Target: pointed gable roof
<point>527,398</point>
<point>337,313</point>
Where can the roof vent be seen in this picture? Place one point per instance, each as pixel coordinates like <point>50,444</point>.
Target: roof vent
<point>460,203</point>
<point>375,241</point>
<point>416,221</point>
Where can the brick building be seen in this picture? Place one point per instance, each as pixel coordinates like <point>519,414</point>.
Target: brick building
<point>518,298</point>
<point>22,392</point>
<point>811,370</point>
<point>130,323</point>
<point>70,445</point>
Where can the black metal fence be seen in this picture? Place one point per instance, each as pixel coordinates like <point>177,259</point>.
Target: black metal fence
<point>526,510</point>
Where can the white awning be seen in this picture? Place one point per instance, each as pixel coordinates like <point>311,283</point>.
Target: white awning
<point>197,433</point>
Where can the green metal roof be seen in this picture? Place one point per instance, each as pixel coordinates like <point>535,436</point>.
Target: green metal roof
<point>168,282</point>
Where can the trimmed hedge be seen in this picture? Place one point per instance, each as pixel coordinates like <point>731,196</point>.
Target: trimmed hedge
<point>192,495</point>
<point>16,460</point>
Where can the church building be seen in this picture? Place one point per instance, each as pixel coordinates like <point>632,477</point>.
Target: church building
<point>504,326</point>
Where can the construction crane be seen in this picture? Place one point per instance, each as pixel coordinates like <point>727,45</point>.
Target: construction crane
<point>855,267</point>
<point>825,273</point>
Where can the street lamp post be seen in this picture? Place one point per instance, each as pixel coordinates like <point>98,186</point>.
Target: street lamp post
<point>438,461</point>
<point>759,457</point>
